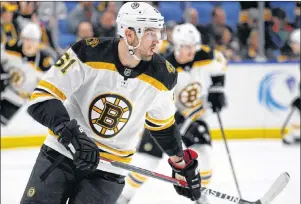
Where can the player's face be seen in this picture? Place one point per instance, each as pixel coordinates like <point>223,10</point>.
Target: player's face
<point>187,52</point>
<point>148,44</point>
<point>29,46</point>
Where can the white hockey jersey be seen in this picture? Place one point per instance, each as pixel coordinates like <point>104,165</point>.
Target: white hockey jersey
<point>23,73</point>
<point>111,103</point>
<point>194,79</point>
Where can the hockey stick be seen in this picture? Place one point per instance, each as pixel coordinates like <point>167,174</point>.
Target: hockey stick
<point>274,190</point>
<point>228,152</point>
<point>286,122</point>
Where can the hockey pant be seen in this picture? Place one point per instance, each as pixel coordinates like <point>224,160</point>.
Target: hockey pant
<point>66,182</point>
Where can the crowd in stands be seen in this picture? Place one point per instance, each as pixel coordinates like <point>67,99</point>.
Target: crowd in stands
<point>231,27</point>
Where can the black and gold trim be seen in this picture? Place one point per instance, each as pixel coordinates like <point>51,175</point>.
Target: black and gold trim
<point>156,124</point>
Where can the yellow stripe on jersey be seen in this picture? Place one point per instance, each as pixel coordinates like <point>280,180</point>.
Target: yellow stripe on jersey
<point>38,95</point>
<point>163,47</point>
<point>53,89</point>
<point>102,65</point>
<point>201,63</point>
<point>105,154</point>
<point>115,157</point>
<point>10,52</point>
<point>167,125</point>
<point>152,81</point>
<point>180,69</point>
<point>115,151</point>
<point>157,121</point>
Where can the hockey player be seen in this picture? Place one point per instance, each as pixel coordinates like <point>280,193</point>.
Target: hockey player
<point>201,70</point>
<point>293,135</point>
<point>94,101</point>
<point>22,66</point>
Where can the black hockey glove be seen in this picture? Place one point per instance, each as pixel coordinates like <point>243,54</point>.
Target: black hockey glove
<point>217,98</point>
<point>297,103</point>
<point>190,173</point>
<point>86,156</point>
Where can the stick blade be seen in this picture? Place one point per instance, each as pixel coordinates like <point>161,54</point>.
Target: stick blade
<point>280,183</point>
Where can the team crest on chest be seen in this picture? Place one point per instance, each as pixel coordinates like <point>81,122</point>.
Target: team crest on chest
<point>108,114</point>
<point>190,95</point>
<point>92,41</point>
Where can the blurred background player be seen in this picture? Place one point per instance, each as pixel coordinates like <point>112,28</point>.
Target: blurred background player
<point>294,125</point>
<point>22,65</point>
<point>201,74</point>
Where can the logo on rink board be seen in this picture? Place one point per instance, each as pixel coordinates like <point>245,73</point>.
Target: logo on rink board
<point>276,90</point>
<point>108,114</point>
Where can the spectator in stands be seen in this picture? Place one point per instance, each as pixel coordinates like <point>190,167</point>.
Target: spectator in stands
<point>84,31</point>
<point>227,45</point>
<point>9,27</point>
<point>191,15</point>
<point>280,27</point>
<point>84,11</point>
<point>251,51</point>
<point>291,50</point>
<point>49,13</point>
<point>106,27</point>
<point>216,27</point>
<point>244,28</point>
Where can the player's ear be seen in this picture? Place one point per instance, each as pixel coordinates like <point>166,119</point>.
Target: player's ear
<point>130,35</point>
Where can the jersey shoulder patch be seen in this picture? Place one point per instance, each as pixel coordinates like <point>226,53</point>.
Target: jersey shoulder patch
<point>94,50</point>
<point>163,71</point>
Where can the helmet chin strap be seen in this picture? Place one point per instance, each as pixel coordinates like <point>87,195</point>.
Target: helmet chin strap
<point>132,49</point>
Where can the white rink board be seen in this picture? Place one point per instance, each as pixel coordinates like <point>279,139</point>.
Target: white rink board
<point>242,88</point>
<point>258,163</point>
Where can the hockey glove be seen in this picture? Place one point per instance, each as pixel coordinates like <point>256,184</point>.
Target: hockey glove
<point>217,98</point>
<point>86,156</point>
<point>190,173</point>
<point>297,104</point>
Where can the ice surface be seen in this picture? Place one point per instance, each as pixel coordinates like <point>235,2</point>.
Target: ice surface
<point>258,163</point>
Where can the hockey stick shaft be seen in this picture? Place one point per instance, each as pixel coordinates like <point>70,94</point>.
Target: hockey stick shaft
<point>274,190</point>
<point>286,122</point>
<point>228,152</point>
<point>269,196</point>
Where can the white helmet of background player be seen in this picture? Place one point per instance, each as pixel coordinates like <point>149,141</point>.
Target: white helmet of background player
<point>30,38</point>
<point>186,35</point>
<point>31,31</point>
<point>139,16</point>
<point>295,41</point>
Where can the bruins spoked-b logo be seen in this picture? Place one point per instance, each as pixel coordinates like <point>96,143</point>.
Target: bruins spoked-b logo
<point>190,95</point>
<point>108,114</point>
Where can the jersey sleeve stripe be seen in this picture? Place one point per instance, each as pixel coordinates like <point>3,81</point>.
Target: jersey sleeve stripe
<point>201,63</point>
<point>52,89</point>
<point>162,127</point>
<point>152,81</point>
<point>39,95</point>
<point>157,121</point>
<point>102,65</point>
<point>10,52</point>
